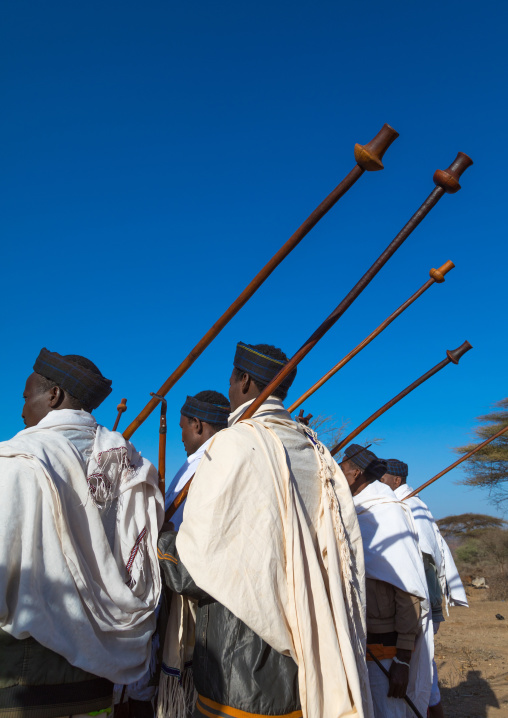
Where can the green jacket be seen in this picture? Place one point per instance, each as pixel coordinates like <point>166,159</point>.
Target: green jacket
<point>38,683</point>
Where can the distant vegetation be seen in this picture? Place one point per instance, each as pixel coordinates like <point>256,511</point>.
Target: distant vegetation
<point>488,468</point>
<point>480,546</point>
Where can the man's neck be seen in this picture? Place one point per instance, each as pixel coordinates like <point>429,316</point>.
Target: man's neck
<point>271,404</point>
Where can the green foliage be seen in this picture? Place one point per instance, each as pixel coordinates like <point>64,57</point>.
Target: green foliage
<point>488,468</point>
<point>465,525</point>
<point>470,552</point>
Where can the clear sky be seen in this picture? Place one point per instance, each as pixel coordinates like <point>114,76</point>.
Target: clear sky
<point>155,155</point>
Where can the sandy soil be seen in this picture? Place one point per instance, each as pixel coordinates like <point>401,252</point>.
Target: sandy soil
<point>472,659</point>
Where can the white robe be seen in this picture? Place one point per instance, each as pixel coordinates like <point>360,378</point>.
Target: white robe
<point>392,554</point>
<point>87,596</point>
<point>186,472</point>
<point>291,569</point>
<point>432,542</point>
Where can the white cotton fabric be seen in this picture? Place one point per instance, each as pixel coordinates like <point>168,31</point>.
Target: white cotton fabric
<point>432,542</point>
<point>186,472</point>
<point>62,581</point>
<point>392,554</point>
<point>390,540</point>
<point>294,576</point>
<point>385,707</point>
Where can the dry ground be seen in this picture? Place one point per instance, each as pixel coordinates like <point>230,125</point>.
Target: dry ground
<point>472,659</point>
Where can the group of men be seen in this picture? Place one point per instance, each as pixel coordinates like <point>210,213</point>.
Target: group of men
<point>287,585</point>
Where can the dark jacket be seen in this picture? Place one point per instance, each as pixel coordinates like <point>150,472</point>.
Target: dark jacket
<point>233,667</point>
<point>39,683</point>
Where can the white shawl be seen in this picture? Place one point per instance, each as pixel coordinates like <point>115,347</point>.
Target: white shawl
<point>390,540</point>
<point>432,542</point>
<point>392,554</point>
<point>186,471</point>
<point>247,541</point>
<point>64,583</point>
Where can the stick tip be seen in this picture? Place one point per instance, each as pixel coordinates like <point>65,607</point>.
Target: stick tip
<point>369,156</point>
<point>438,275</point>
<point>455,354</point>
<point>449,179</point>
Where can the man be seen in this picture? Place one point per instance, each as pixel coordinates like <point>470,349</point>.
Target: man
<point>270,549</point>
<point>201,417</point>
<point>440,570</point>
<point>79,520</point>
<point>396,589</point>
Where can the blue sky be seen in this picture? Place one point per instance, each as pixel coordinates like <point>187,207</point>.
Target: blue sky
<point>155,155</point>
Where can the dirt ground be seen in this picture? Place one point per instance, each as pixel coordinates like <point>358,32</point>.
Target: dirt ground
<point>472,659</point>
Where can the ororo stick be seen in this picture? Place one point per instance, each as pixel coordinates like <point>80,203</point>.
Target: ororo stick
<point>452,356</point>
<point>163,429</point>
<point>122,406</point>
<point>456,463</point>
<point>368,158</point>
<point>446,181</point>
<point>437,275</point>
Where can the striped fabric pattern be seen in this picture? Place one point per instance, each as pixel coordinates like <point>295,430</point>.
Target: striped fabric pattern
<point>396,468</point>
<point>79,382</point>
<point>259,366</point>
<point>205,411</point>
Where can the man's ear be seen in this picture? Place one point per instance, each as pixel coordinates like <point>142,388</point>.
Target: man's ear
<point>397,481</point>
<point>56,395</point>
<point>198,425</point>
<point>245,383</point>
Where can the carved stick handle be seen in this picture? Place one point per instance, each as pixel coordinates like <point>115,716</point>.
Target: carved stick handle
<point>455,354</point>
<point>438,275</point>
<point>369,156</point>
<point>449,179</point>
<point>122,406</point>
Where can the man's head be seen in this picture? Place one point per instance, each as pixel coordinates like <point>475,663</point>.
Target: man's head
<point>255,365</point>
<point>361,467</point>
<point>202,416</point>
<point>396,473</point>
<point>62,382</point>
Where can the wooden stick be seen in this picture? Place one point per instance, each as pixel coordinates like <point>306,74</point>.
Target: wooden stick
<point>163,428</point>
<point>406,698</point>
<point>122,406</point>
<point>456,463</point>
<point>437,275</point>
<point>443,179</point>
<point>452,356</point>
<point>368,158</point>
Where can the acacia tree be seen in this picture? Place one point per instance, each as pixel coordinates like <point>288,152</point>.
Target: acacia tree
<point>488,468</point>
<point>466,525</point>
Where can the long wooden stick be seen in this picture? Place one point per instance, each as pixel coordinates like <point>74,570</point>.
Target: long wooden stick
<point>406,698</point>
<point>456,463</point>
<point>446,181</point>
<point>437,275</point>
<point>122,406</point>
<point>163,428</point>
<point>452,356</point>
<point>368,158</point>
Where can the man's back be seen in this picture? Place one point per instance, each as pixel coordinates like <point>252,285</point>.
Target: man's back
<point>65,606</point>
<point>267,556</point>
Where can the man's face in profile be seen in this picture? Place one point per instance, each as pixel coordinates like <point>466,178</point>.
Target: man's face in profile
<point>36,401</point>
